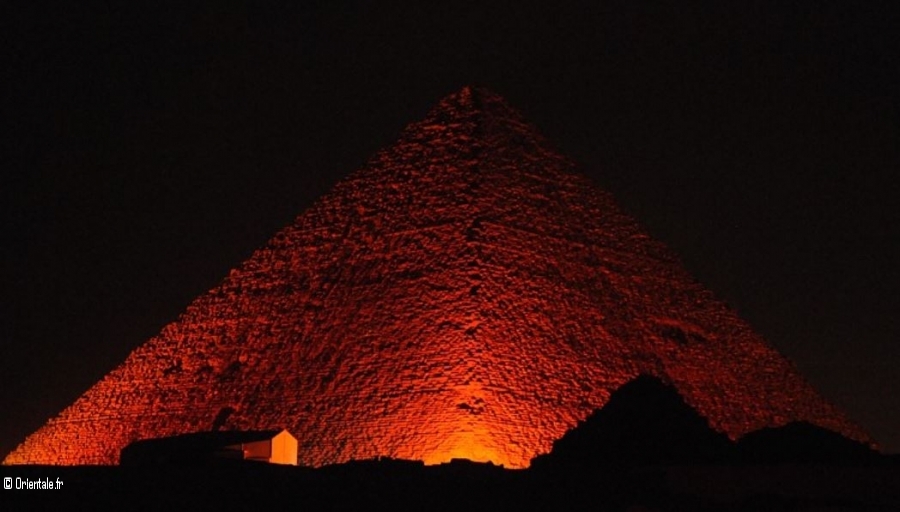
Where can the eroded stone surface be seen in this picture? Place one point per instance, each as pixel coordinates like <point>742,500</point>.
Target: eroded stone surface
<point>465,294</point>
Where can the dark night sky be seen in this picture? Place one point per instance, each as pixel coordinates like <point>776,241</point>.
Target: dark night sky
<point>148,151</point>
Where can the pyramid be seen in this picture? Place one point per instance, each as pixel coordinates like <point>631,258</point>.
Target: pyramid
<point>466,294</point>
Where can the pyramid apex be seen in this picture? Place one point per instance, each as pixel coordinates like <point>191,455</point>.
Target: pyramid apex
<point>475,92</point>
<point>472,97</point>
<point>475,117</point>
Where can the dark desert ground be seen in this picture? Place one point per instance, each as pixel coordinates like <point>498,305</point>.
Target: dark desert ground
<point>645,450</point>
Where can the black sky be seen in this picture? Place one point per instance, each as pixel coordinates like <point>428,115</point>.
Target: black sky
<point>149,150</point>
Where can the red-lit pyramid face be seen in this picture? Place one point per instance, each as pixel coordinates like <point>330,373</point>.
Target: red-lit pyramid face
<point>465,294</point>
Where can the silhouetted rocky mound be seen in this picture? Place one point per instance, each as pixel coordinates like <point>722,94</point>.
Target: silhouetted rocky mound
<point>802,442</point>
<point>645,422</point>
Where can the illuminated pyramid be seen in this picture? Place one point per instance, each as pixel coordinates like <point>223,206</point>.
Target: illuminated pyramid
<point>465,294</point>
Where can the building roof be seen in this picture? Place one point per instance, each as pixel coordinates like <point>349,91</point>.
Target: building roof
<point>205,441</point>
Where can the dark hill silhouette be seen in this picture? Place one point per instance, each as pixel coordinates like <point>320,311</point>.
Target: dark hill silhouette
<point>802,442</point>
<point>645,422</point>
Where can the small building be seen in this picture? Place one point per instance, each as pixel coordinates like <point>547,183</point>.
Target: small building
<point>271,446</point>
